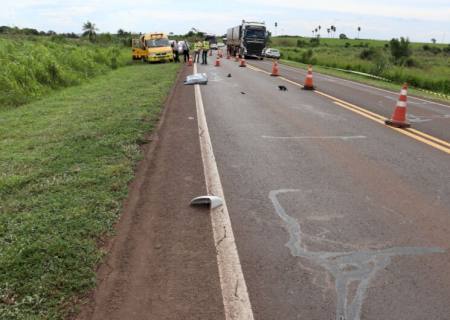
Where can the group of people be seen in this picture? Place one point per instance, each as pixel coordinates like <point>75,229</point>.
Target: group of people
<point>180,48</point>
<point>201,48</point>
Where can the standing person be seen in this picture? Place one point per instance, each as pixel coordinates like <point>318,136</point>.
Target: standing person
<point>186,50</point>
<point>197,49</point>
<point>175,51</point>
<point>205,52</point>
<point>182,49</point>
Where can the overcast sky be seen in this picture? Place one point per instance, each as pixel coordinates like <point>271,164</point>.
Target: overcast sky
<point>381,19</point>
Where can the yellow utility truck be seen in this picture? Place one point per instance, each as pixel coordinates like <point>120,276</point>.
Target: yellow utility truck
<point>152,47</point>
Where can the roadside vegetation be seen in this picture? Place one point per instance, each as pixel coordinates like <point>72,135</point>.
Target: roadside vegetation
<point>424,66</point>
<point>33,63</point>
<point>65,161</point>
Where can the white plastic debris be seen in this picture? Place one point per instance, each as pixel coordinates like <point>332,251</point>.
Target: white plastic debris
<point>196,78</point>
<point>212,201</point>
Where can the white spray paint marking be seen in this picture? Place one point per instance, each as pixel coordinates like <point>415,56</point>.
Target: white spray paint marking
<point>345,267</point>
<point>314,110</point>
<point>345,138</point>
<point>234,289</point>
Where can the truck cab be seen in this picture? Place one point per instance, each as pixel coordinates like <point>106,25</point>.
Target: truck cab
<point>152,47</point>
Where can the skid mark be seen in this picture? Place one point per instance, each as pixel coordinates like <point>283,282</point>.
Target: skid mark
<point>347,268</point>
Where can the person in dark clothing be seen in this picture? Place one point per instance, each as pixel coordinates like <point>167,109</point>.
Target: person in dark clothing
<point>175,51</point>
<point>185,51</point>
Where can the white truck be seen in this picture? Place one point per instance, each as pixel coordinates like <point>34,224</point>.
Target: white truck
<point>247,39</point>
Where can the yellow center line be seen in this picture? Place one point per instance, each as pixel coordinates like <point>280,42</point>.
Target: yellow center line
<point>412,133</point>
<point>423,134</point>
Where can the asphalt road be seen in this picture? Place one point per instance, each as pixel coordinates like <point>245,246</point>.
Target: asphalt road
<point>428,116</point>
<point>335,215</point>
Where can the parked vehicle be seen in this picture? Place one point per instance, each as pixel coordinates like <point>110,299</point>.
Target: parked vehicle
<point>212,41</point>
<point>152,47</point>
<point>272,53</point>
<point>247,39</point>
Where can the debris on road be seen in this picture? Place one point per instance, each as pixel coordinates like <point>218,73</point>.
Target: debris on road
<point>196,78</point>
<point>212,201</point>
<point>282,88</point>
<point>242,92</point>
<point>229,75</point>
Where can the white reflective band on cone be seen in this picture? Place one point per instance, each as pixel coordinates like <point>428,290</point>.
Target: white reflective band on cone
<point>401,104</point>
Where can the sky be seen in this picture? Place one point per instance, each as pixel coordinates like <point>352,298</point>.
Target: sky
<point>381,19</point>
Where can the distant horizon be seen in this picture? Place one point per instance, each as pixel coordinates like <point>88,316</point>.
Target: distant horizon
<point>219,35</point>
<point>383,20</point>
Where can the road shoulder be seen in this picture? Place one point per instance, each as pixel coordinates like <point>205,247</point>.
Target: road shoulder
<point>162,262</point>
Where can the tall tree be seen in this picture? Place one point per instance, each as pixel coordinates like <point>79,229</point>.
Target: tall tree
<point>359,30</point>
<point>90,30</point>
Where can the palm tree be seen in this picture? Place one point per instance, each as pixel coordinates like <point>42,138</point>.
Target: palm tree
<point>320,27</point>
<point>359,30</point>
<point>90,29</point>
<point>328,30</point>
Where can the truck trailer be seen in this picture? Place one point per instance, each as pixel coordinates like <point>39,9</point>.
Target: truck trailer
<point>247,39</point>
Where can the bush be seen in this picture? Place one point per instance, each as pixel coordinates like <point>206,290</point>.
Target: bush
<point>342,36</point>
<point>368,54</point>
<point>347,44</point>
<point>314,42</point>
<point>301,43</point>
<point>400,50</point>
<point>32,68</point>
<point>446,49</point>
<point>410,62</point>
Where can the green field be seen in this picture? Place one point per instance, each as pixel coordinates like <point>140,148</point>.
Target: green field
<point>31,67</point>
<point>65,161</point>
<point>428,67</point>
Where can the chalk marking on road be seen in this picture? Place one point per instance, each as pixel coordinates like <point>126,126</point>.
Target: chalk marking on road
<point>415,134</point>
<point>235,296</point>
<point>315,137</point>
<point>298,70</point>
<point>346,267</point>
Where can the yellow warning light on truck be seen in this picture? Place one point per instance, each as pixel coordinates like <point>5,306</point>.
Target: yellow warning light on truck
<point>152,47</point>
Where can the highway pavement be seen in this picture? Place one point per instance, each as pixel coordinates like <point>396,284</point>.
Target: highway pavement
<point>334,214</point>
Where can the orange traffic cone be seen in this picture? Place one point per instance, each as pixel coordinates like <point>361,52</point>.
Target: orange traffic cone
<point>217,62</point>
<point>190,61</point>
<point>399,117</point>
<point>236,58</point>
<point>275,71</point>
<point>242,63</point>
<point>309,80</point>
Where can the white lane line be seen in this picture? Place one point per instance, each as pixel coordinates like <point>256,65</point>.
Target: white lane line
<point>333,79</point>
<point>234,289</point>
<point>315,137</point>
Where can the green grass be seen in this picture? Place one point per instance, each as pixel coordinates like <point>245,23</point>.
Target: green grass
<point>427,70</point>
<point>370,81</point>
<point>65,162</point>
<point>31,67</point>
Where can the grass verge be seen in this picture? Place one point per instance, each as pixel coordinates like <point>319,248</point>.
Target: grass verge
<point>373,82</point>
<point>65,162</point>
